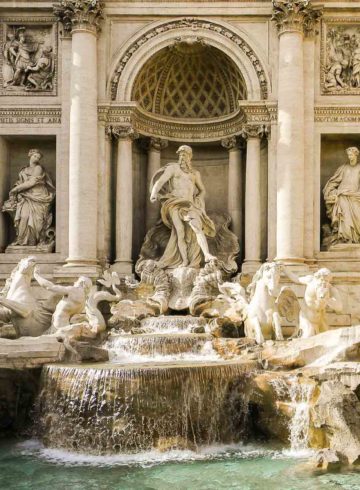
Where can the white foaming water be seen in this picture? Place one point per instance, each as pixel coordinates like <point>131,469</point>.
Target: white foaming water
<point>300,396</point>
<point>35,449</point>
<point>127,350</point>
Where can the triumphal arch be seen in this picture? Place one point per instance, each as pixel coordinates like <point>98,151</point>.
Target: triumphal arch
<point>97,97</point>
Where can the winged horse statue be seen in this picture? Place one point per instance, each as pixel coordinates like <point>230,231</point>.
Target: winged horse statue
<point>263,303</point>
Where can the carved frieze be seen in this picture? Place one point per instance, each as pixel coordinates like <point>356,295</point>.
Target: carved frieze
<point>28,56</point>
<point>79,14</point>
<point>333,114</point>
<point>340,56</point>
<point>194,24</point>
<point>255,114</point>
<point>30,115</point>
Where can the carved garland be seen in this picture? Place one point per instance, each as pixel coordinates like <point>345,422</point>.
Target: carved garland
<point>193,24</point>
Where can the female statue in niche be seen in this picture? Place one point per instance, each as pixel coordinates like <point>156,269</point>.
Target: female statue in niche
<point>342,199</point>
<point>30,200</point>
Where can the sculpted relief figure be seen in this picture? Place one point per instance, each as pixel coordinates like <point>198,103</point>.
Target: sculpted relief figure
<point>27,64</point>
<point>181,192</point>
<point>342,199</point>
<point>319,295</point>
<point>19,305</point>
<point>77,316</point>
<point>342,65</point>
<point>30,203</point>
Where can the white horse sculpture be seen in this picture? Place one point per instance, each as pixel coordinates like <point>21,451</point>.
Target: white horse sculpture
<point>261,312</point>
<point>18,304</point>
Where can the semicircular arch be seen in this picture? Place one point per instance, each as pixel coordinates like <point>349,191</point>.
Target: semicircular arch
<point>132,56</point>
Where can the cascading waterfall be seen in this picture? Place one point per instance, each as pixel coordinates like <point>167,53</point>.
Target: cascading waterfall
<point>110,408</point>
<point>298,396</point>
<point>172,324</point>
<point>160,347</point>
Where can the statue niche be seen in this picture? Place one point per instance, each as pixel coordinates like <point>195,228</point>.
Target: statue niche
<point>186,247</point>
<point>342,200</point>
<point>30,206</point>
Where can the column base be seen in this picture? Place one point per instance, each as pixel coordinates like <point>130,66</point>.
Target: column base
<point>122,267</point>
<point>250,266</point>
<point>75,268</point>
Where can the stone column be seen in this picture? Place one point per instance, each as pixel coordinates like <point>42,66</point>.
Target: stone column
<point>154,163</point>
<point>104,190</point>
<point>4,190</point>
<point>124,199</point>
<point>309,152</point>
<point>235,185</point>
<point>82,19</point>
<point>253,135</point>
<point>292,18</point>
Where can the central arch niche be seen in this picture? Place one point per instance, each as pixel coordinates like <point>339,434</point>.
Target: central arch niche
<point>189,81</point>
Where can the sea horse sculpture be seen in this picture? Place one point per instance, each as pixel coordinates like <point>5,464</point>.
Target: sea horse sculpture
<point>265,304</point>
<point>77,316</point>
<point>18,304</point>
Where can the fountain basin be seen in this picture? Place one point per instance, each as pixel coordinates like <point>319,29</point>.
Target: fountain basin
<point>112,408</point>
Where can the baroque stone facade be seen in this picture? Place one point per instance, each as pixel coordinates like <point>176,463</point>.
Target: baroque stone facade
<point>265,93</point>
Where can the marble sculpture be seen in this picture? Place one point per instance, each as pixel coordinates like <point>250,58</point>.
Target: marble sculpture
<point>30,202</point>
<point>342,199</point>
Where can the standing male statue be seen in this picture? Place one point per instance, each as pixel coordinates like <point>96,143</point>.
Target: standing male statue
<point>181,192</point>
<point>342,199</point>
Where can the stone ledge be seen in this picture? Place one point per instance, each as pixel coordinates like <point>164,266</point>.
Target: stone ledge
<point>30,352</point>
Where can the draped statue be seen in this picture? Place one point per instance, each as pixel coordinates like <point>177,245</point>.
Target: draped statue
<point>30,203</point>
<point>181,192</point>
<point>342,199</point>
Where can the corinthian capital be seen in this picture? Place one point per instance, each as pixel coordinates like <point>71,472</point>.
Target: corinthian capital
<point>254,131</point>
<point>79,14</point>
<point>121,132</point>
<point>295,15</point>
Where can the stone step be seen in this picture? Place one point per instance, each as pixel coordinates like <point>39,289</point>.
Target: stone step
<point>29,352</point>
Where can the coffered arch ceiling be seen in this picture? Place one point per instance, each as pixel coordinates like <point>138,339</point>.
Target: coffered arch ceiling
<point>189,80</point>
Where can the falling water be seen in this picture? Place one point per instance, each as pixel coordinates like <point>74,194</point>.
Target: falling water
<point>298,395</point>
<point>160,348</point>
<point>114,408</point>
<point>172,324</point>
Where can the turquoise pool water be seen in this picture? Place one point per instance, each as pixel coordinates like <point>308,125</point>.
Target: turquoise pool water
<point>28,465</point>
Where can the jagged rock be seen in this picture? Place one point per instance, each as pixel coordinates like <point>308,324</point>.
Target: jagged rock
<point>319,350</point>
<point>223,327</point>
<point>198,329</point>
<point>337,414</point>
<point>326,459</point>
<point>89,352</point>
<point>124,324</point>
<point>229,348</point>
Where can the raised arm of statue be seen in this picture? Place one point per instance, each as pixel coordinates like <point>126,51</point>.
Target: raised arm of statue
<point>164,177</point>
<point>335,302</point>
<point>294,277</point>
<point>54,288</point>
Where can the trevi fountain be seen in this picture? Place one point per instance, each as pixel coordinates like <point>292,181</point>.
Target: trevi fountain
<point>179,244</point>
